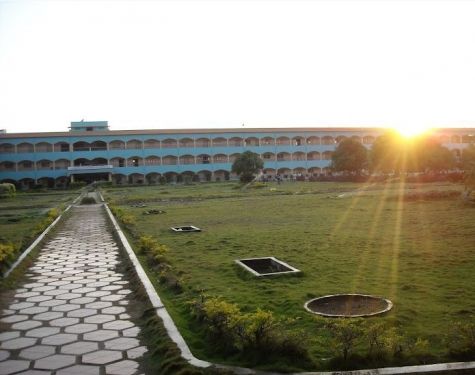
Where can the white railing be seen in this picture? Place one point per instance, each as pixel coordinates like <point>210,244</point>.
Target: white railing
<point>89,167</point>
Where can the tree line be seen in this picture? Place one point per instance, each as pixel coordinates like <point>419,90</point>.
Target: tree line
<point>393,154</point>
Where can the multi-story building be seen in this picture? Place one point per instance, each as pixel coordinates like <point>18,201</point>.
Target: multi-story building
<point>90,151</point>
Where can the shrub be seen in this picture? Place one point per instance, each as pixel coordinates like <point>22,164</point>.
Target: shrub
<point>6,253</point>
<point>344,335</point>
<point>461,338</point>
<point>150,246</point>
<point>221,318</point>
<point>124,217</point>
<point>7,190</point>
<point>257,335</point>
<point>88,200</point>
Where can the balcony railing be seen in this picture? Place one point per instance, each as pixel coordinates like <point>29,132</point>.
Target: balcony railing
<point>90,167</point>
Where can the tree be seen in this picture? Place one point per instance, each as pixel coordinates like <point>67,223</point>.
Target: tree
<point>247,165</point>
<point>350,156</point>
<point>432,156</point>
<point>386,154</point>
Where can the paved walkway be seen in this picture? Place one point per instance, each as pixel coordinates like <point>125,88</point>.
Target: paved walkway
<point>73,315</point>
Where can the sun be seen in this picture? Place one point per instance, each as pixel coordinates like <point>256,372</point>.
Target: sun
<point>411,129</point>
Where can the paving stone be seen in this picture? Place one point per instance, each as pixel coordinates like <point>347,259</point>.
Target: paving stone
<point>4,355</point>
<point>48,316</point>
<point>100,318</point>
<point>33,285</point>
<point>102,357</point>
<point>81,313</point>
<point>52,302</point>
<point>6,312</point>
<point>55,362</point>
<point>66,307</point>
<point>21,305</point>
<point>101,335</point>
<point>83,300</point>
<point>81,328</point>
<point>71,286</point>
<point>126,367</point>
<point>13,366</point>
<point>98,305</point>
<point>79,370</point>
<point>131,332</point>
<point>19,343</point>
<point>39,298</point>
<point>9,335</point>
<point>118,325</point>
<point>98,293</point>
<point>55,292</point>
<point>43,288</point>
<point>84,290</point>
<point>37,352</point>
<point>34,310</point>
<point>59,282</point>
<point>68,296</point>
<point>42,332</point>
<point>113,298</point>
<point>122,343</point>
<point>114,310</point>
<point>27,294</point>
<point>14,318</point>
<point>80,347</point>
<point>59,339</point>
<point>29,324</point>
<point>98,284</point>
<point>64,322</point>
<point>34,372</point>
<point>124,316</point>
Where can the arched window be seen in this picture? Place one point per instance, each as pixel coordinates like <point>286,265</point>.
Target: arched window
<point>151,143</point>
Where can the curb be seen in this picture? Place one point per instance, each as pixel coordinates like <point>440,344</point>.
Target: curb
<point>178,339</point>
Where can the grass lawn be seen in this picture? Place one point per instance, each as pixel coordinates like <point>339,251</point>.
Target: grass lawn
<point>345,237</point>
<point>21,217</point>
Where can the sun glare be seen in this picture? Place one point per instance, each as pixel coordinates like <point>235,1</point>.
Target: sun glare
<point>410,130</point>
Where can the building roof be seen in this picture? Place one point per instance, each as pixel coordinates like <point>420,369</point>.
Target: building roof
<point>209,131</point>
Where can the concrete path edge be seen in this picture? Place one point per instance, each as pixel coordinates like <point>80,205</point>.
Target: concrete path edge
<point>178,339</point>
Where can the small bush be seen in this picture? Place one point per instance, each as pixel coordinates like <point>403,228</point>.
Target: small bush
<point>461,339</point>
<point>345,334</point>
<point>6,253</point>
<point>256,335</point>
<point>162,180</point>
<point>88,200</point>
<point>124,217</point>
<point>149,245</point>
<point>7,190</point>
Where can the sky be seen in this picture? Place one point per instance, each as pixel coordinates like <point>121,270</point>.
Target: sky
<point>220,64</point>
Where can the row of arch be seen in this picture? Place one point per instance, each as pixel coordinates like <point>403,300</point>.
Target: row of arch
<point>135,144</point>
<point>174,177</point>
<point>136,161</point>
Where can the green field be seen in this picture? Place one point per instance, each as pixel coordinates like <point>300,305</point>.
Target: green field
<point>23,217</point>
<point>346,238</point>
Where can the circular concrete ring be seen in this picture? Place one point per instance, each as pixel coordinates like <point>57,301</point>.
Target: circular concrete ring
<point>313,305</point>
